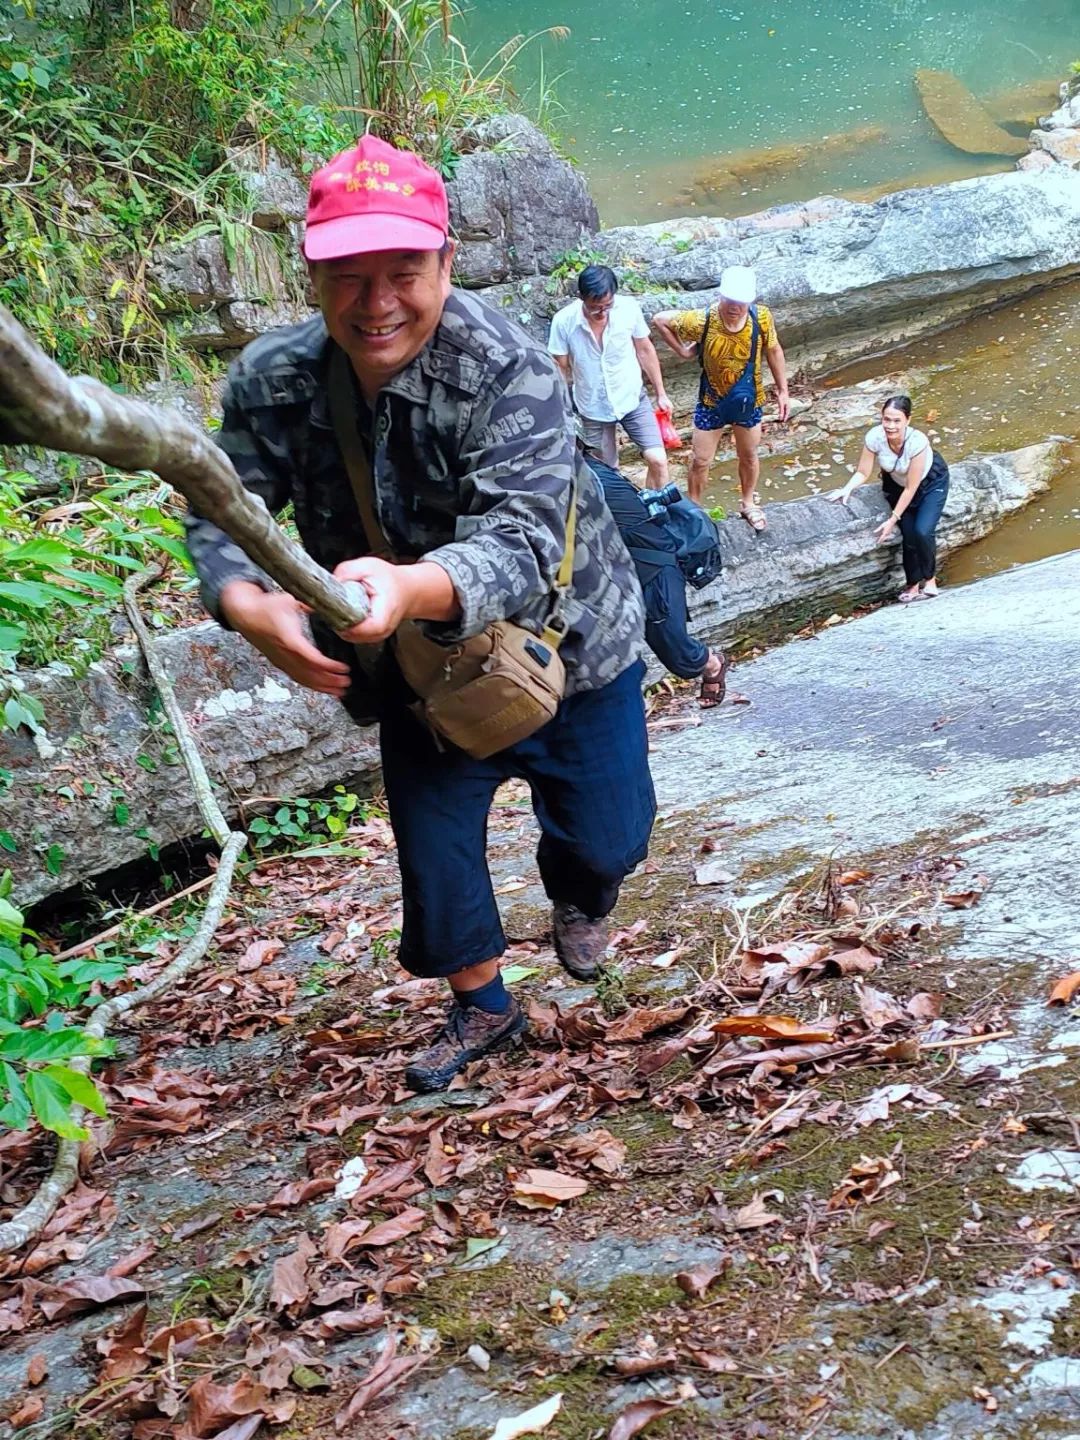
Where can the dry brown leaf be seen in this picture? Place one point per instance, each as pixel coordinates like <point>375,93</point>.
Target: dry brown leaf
<point>344,1322</point>
<point>258,953</point>
<point>340,1238</point>
<point>903,1052</point>
<point>242,1429</point>
<point>124,1348</point>
<point>771,1027</point>
<point>645,1364</point>
<point>635,1417</point>
<point>289,1285</point>
<point>795,954</point>
<point>754,1215</point>
<point>879,1008</point>
<point>544,1189</point>
<point>696,1282</point>
<point>213,1406</point>
<point>715,1361</point>
<point>852,877</point>
<point>529,1422</point>
<point>30,1410</point>
<point>926,1005</point>
<point>964,899</point>
<point>72,1297</point>
<point>856,961</point>
<point>438,1165</point>
<point>183,1337</point>
<point>867,1180</point>
<point>388,1232</point>
<point>389,1369</point>
<point>1065,989</point>
<point>876,1105</point>
<point>299,1192</point>
<point>598,1148</point>
<point>130,1262</point>
<point>639,1024</point>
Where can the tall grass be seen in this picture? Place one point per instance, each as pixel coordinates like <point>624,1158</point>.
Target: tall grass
<point>407,77</point>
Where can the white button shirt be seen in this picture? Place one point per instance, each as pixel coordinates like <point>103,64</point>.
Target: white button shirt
<point>607,375</point>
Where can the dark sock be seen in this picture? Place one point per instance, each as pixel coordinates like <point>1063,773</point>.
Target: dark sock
<point>492,997</point>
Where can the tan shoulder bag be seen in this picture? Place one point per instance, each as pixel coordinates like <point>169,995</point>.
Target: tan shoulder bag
<point>494,689</point>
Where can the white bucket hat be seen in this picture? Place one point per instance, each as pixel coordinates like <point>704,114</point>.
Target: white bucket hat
<point>738,283</point>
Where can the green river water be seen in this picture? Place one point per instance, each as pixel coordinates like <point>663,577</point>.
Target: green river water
<point>657,96</point>
<point>808,98</point>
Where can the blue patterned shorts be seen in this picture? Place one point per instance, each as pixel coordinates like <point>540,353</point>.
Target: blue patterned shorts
<point>729,409</point>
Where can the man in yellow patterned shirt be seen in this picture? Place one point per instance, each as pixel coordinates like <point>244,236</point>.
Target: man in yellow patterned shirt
<point>729,339</point>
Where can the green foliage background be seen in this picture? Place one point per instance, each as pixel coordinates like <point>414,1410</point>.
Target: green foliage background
<point>118,123</point>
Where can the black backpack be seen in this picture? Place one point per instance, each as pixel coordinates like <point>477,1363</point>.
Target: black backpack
<point>696,538</point>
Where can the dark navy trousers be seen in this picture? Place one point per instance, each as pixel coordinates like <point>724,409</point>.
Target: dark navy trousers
<point>666,621</point>
<point>592,795</point>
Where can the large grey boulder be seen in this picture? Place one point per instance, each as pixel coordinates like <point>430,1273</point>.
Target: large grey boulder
<point>846,279</point>
<point>262,735</point>
<point>856,279</point>
<point>516,207</point>
<point>220,301</point>
<point>103,781</point>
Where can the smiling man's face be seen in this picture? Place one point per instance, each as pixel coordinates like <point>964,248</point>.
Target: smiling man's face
<point>382,308</point>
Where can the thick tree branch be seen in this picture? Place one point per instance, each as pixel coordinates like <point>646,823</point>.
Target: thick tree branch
<point>41,405</point>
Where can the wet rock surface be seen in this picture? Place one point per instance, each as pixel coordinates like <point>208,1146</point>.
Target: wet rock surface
<point>941,735</point>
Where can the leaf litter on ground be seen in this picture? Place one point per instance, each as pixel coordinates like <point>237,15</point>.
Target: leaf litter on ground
<point>354,1274</point>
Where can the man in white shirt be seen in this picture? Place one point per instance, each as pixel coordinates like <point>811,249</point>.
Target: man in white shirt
<point>601,344</point>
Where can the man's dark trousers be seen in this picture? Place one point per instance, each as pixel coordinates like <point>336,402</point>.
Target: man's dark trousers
<point>588,770</point>
<point>666,621</point>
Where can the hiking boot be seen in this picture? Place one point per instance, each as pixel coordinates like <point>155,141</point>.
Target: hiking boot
<point>467,1034</point>
<point>580,943</point>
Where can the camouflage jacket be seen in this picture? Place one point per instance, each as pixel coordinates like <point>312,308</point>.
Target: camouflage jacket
<point>472,461</point>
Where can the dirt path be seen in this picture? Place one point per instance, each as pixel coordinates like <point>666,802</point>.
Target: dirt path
<point>871,1233</point>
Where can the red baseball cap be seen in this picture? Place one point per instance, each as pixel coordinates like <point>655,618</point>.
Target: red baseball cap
<point>374,197</point>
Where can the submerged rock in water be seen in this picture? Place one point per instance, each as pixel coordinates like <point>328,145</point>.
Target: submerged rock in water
<point>749,167</point>
<point>962,119</point>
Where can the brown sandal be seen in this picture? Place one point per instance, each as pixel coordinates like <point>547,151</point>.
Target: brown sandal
<point>714,687</point>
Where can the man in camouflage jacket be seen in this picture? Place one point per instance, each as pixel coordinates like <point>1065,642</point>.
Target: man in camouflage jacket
<point>464,423</point>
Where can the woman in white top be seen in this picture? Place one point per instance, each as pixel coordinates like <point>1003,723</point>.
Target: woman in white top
<point>915,481</point>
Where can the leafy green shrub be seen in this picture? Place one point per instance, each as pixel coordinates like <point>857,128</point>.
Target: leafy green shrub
<point>61,578</point>
<point>306,822</point>
<point>35,1039</point>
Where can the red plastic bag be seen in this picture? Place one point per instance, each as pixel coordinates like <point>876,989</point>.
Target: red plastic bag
<point>668,434</point>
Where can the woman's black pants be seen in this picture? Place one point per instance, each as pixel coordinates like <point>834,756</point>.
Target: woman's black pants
<point>918,523</point>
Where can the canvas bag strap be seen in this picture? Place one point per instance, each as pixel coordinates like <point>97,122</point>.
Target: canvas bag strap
<point>704,337</point>
<point>343,417</point>
<point>554,632</point>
